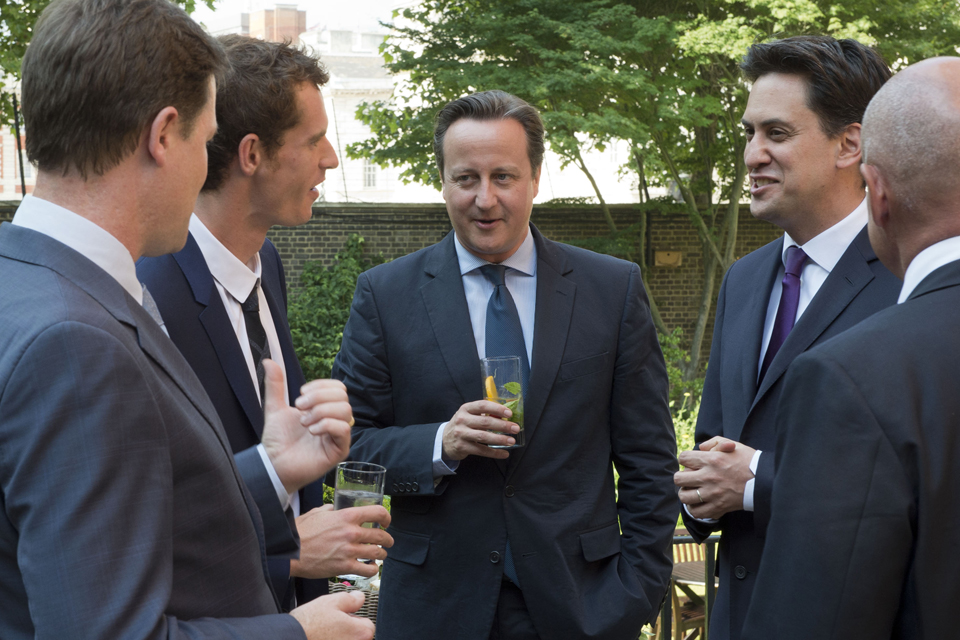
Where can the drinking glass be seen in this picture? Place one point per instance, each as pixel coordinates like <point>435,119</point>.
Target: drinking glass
<point>502,384</point>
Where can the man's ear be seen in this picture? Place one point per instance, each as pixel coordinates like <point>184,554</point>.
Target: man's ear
<point>536,181</point>
<point>164,126</point>
<point>850,151</point>
<point>250,154</point>
<point>878,195</point>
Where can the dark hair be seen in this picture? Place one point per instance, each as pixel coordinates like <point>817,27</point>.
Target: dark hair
<point>842,75</point>
<point>492,105</point>
<point>98,71</point>
<point>258,95</point>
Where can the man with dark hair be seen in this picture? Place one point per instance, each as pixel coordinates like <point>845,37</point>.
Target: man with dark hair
<point>532,542</point>
<point>124,513</point>
<point>862,542</point>
<point>803,150</point>
<point>269,154</point>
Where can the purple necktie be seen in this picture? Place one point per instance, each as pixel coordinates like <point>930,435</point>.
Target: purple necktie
<point>789,301</point>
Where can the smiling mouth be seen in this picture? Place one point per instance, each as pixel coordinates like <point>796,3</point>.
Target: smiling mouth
<point>762,182</point>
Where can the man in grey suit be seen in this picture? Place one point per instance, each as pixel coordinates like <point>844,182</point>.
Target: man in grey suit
<point>124,513</point>
<point>532,542</point>
<point>862,541</point>
<point>802,123</point>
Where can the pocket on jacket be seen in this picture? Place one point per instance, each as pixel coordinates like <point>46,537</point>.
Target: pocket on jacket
<point>584,366</point>
<point>408,547</point>
<point>600,543</point>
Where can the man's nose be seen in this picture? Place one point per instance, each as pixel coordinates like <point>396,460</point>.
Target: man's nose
<point>755,153</point>
<point>486,197</point>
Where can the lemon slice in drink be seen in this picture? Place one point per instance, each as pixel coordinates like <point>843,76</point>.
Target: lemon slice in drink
<point>491,388</point>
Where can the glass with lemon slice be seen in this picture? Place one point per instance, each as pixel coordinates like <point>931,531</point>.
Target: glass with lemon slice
<point>501,384</point>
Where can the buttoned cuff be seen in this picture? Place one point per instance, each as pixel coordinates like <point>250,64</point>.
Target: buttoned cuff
<point>282,494</point>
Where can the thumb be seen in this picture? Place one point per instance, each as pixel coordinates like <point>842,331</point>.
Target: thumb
<point>272,387</point>
<point>349,602</point>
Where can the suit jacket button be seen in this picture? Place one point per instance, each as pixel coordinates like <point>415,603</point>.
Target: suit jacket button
<point>416,486</point>
<point>396,488</point>
<point>408,486</point>
<point>494,557</point>
<point>740,571</point>
<point>509,491</point>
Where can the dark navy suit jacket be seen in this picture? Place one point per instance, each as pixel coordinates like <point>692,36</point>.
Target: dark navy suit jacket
<point>734,407</point>
<point>193,311</point>
<point>590,566</point>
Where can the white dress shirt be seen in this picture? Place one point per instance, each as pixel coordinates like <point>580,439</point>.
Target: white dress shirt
<point>234,281</point>
<point>521,281</point>
<point>928,261</point>
<point>86,238</point>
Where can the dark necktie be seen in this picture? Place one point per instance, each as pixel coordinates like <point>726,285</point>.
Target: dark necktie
<point>259,348</point>
<point>789,302</point>
<point>504,337</point>
<point>504,333</point>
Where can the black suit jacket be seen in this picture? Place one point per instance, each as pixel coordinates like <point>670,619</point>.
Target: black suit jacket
<point>185,293</point>
<point>597,395</point>
<point>862,538</point>
<point>734,407</point>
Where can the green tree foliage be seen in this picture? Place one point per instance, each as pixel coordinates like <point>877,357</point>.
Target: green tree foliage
<point>17,18</point>
<point>660,74</point>
<point>321,306</point>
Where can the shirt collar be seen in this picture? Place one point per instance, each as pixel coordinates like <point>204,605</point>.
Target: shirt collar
<point>828,247</point>
<point>524,259</point>
<point>83,236</point>
<point>928,261</point>
<point>233,275</point>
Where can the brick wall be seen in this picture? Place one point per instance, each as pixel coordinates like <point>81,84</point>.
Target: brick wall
<point>397,230</point>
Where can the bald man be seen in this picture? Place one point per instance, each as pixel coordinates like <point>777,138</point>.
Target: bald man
<point>862,541</point>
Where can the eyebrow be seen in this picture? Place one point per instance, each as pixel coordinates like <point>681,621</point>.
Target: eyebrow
<point>766,123</point>
<point>318,137</point>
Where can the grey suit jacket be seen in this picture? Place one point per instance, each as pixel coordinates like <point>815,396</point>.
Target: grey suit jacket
<point>589,566</point>
<point>862,540</point>
<point>735,407</point>
<point>122,513</point>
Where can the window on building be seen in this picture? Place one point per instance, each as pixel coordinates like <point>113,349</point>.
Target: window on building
<point>369,174</point>
<point>27,167</point>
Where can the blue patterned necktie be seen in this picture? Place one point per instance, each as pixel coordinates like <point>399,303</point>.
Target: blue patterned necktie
<point>504,337</point>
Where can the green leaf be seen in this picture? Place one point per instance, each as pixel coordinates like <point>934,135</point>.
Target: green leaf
<point>513,387</point>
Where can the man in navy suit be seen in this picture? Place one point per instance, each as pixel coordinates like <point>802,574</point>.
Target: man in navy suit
<point>802,124</point>
<point>268,156</point>
<point>124,512</point>
<point>532,542</point>
<point>862,541</point>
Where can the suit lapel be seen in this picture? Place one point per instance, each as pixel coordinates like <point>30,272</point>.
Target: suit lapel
<point>273,290</point>
<point>446,305</point>
<point>847,279</point>
<point>554,310</point>
<point>752,323</point>
<point>217,325</point>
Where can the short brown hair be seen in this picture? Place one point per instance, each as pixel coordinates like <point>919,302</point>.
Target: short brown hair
<point>492,105</point>
<point>842,75</point>
<point>98,71</point>
<point>258,95</point>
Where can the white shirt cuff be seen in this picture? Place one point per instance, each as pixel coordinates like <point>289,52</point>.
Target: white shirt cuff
<point>442,467</point>
<point>748,488</point>
<point>282,494</point>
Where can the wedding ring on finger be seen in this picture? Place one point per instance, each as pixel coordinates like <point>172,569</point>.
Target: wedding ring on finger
<point>699,496</point>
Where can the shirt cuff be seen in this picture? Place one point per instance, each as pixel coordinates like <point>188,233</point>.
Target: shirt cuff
<point>282,494</point>
<point>442,466</point>
<point>748,488</point>
<point>686,508</point>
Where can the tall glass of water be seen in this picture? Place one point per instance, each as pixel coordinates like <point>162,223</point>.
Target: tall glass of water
<point>358,484</point>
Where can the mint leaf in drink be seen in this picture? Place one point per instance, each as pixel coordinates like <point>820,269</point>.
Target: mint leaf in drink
<point>513,387</point>
<point>512,405</point>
